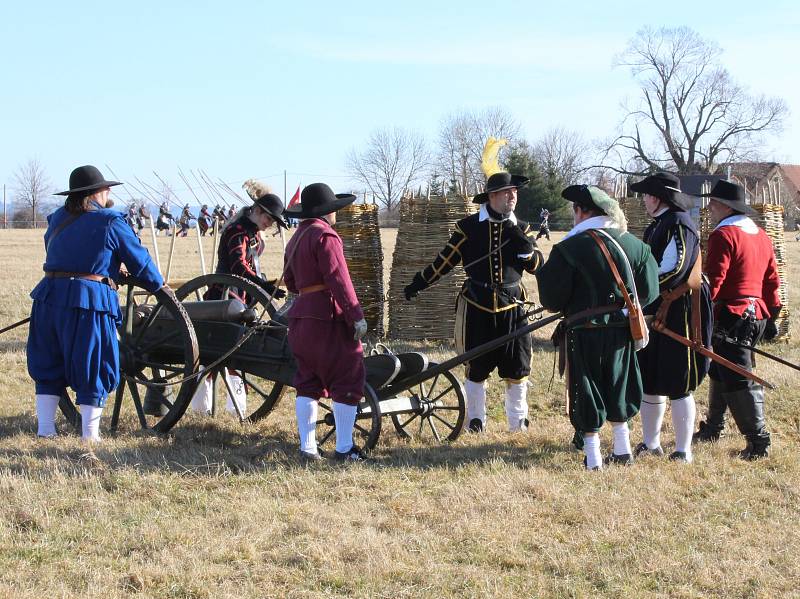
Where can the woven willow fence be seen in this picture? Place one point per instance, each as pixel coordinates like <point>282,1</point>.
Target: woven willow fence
<point>425,226</point>
<point>357,225</point>
<point>770,218</point>
<point>638,219</point>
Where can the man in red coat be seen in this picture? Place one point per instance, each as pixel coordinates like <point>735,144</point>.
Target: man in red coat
<point>743,279</point>
<point>326,322</point>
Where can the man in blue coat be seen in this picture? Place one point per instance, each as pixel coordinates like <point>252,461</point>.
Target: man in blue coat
<point>72,339</point>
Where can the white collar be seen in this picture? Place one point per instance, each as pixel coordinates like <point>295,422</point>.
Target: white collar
<point>484,215</point>
<point>745,223</point>
<point>661,211</point>
<point>595,222</point>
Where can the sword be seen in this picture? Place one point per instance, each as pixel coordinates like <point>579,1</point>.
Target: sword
<point>15,325</point>
<point>760,352</point>
<point>697,346</point>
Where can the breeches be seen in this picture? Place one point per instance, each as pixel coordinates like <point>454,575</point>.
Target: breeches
<point>512,360</point>
<point>745,331</point>
<point>330,363</point>
<point>603,380</point>
<point>76,348</point>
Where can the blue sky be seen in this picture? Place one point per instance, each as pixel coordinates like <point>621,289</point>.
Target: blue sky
<point>250,89</point>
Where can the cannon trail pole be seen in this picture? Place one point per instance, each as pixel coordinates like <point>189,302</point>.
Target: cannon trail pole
<point>408,382</point>
<point>155,243</point>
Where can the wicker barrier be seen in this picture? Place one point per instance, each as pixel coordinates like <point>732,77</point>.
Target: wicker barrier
<point>357,225</point>
<point>770,218</point>
<point>424,228</point>
<point>635,213</point>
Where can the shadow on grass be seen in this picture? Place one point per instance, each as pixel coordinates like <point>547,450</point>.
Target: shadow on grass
<point>208,449</point>
<point>12,346</point>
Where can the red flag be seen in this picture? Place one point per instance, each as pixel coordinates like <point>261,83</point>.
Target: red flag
<point>295,198</point>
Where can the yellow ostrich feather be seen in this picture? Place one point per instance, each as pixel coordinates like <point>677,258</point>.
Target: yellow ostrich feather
<point>491,151</point>
<point>256,189</point>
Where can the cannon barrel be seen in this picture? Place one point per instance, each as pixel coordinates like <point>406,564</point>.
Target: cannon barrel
<point>231,310</point>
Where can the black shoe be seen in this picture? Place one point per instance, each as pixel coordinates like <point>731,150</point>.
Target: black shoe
<point>308,458</point>
<point>625,459</point>
<point>680,456</point>
<point>642,448</point>
<point>354,455</point>
<point>475,425</point>
<point>706,434</point>
<point>754,452</point>
<point>586,465</point>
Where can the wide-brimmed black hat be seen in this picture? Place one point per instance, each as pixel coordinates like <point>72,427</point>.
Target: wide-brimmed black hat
<point>580,195</point>
<point>499,182</point>
<point>272,205</point>
<point>318,199</point>
<point>86,178</point>
<point>666,187</point>
<point>730,194</point>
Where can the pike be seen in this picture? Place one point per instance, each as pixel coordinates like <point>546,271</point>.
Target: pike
<point>15,325</point>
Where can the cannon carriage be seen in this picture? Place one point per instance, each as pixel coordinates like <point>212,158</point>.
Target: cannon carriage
<point>169,342</point>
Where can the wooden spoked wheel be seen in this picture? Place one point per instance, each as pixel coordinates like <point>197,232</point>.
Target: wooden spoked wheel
<point>441,412</point>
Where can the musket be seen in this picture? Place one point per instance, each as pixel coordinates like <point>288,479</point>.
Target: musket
<point>760,352</point>
<point>697,346</point>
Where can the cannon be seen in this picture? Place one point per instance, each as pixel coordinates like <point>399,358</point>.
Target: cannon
<point>165,337</point>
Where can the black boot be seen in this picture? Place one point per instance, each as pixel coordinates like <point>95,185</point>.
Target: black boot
<point>747,407</point>
<point>711,428</point>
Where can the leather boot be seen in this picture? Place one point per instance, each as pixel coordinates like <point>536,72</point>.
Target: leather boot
<point>711,428</point>
<point>747,407</point>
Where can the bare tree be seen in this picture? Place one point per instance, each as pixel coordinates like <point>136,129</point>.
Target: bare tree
<point>562,153</point>
<point>32,188</point>
<point>392,160</point>
<point>461,139</point>
<point>690,115</point>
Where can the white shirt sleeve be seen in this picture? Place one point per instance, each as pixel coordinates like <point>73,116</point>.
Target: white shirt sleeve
<point>670,258</point>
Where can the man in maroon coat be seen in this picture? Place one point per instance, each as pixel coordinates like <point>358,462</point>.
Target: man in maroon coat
<point>744,283</point>
<point>326,322</point>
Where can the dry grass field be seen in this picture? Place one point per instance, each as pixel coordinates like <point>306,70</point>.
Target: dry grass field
<point>215,509</point>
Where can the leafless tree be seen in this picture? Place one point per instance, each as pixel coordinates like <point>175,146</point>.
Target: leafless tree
<point>690,115</point>
<point>462,136</point>
<point>563,154</point>
<point>392,160</point>
<point>32,188</point>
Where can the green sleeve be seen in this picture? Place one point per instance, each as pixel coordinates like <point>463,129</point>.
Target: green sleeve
<point>555,281</point>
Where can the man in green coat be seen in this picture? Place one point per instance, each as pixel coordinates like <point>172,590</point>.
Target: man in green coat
<point>603,381</point>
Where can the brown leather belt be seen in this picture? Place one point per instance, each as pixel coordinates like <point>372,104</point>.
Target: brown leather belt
<point>313,288</point>
<point>57,274</point>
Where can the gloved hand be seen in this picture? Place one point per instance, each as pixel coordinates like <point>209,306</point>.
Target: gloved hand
<point>521,243</point>
<point>360,327</point>
<point>771,330</point>
<point>417,285</point>
<point>269,287</point>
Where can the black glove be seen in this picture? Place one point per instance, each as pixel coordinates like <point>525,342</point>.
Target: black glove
<point>521,243</point>
<point>771,330</point>
<point>271,289</point>
<point>417,285</point>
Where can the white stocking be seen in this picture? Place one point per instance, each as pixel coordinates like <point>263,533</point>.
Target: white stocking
<point>46,407</point>
<point>306,410</point>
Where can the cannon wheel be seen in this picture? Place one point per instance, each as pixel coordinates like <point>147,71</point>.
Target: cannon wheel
<point>136,370</point>
<point>267,392</point>
<point>442,410</point>
<point>368,423</point>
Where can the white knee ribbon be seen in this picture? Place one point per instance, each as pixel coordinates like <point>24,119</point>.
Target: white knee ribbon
<point>306,410</point>
<point>652,412</point>
<point>46,407</point>
<point>476,400</point>
<point>345,417</point>
<point>516,405</point>
<point>683,415</point>
<point>90,422</point>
